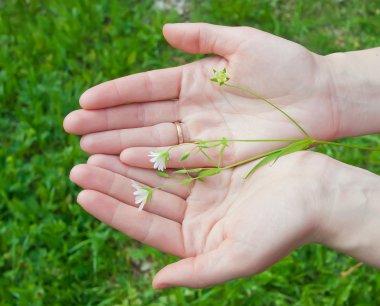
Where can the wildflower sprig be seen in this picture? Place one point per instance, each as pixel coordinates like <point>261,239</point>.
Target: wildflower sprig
<point>220,77</point>
<point>142,193</point>
<point>160,158</point>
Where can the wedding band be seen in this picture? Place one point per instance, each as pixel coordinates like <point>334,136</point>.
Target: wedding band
<point>179,132</point>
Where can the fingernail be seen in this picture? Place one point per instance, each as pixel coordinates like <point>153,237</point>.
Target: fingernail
<point>161,286</point>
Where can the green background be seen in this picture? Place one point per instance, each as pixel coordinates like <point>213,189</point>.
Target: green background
<point>54,253</point>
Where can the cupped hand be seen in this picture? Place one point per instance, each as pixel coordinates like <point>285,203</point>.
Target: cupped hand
<point>135,114</point>
<point>224,227</point>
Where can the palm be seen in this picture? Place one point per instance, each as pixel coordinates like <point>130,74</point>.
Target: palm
<point>212,112</point>
<point>283,72</point>
<point>213,224</point>
<point>248,220</point>
<point>227,209</point>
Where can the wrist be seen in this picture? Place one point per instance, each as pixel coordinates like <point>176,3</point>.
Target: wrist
<point>350,218</point>
<point>353,85</point>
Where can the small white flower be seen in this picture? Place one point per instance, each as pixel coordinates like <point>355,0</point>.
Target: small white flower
<point>143,194</point>
<point>159,159</point>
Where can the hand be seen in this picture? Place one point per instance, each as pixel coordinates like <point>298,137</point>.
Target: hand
<point>286,73</point>
<point>228,227</point>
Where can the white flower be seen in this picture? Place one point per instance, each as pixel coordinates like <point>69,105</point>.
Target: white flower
<point>143,194</point>
<point>159,159</point>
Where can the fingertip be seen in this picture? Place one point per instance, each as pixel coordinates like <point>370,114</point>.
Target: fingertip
<point>131,156</point>
<point>89,99</point>
<point>85,198</point>
<point>90,144</point>
<point>124,155</point>
<point>82,143</point>
<point>95,159</point>
<point>83,99</point>
<point>71,123</point>
<point>66,124</point>
<point>168,27</point>
<point>108,162</point>
<point>100,96</point>
<point>80,173</point>
<point>81,197</point>
<point>137,157</point>
<point>159,283</point>
<point>73,172</point>
<point>160,286</point>
<point>170,32</point>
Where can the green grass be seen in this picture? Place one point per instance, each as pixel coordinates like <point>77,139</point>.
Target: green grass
<point>52,252</point>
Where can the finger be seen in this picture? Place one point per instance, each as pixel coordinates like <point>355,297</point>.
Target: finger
<point>144,176</point>
<point>139,157</point>
<point>113,142</point>
<point>148,228</point>
<point>202,38</point>
<point>82,122</point>
<point>215,267</point>
<point>119,187</point>
<point>155,85</point>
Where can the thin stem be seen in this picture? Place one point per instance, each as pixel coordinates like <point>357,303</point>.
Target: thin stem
<point>221,155</point>
<point>271,104</point>
<point>208,157</point>
<point>223,168</point>
<point>191,151</point>
<point>338,144</point>
<point>251,159</point>
<point>169,185</point>
<point>253,140</point>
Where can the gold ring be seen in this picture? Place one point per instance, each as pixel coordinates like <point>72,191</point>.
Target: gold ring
<point>179,132</point>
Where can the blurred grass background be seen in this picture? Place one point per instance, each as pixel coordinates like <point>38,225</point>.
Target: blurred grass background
<point>52,252</point>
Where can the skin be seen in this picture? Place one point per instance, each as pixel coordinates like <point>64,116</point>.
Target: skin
<point>302,198</point>
<point>331,97</point>
<point>113,120</point>
<point>227,227</point>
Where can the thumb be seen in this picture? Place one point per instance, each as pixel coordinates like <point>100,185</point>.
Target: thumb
<point>202,38</point>
<point>212,268</point>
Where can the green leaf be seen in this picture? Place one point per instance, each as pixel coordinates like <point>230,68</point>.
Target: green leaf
<point>263,162</point>
<point>209,172</point>
<point>162,173</point>
<point>184,156</point>
<point>187,181</point>
<point>202,144</point>
<point>295,147</point>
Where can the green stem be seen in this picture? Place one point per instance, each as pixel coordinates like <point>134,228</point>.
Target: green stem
<point>253,140</point>
<point>251,159</point>
<point>221,155</point>
<point>168,185</point>
<point>271,104</point>
<point>338,144</point>
<point>208,156</point>
<point>224,168</point>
